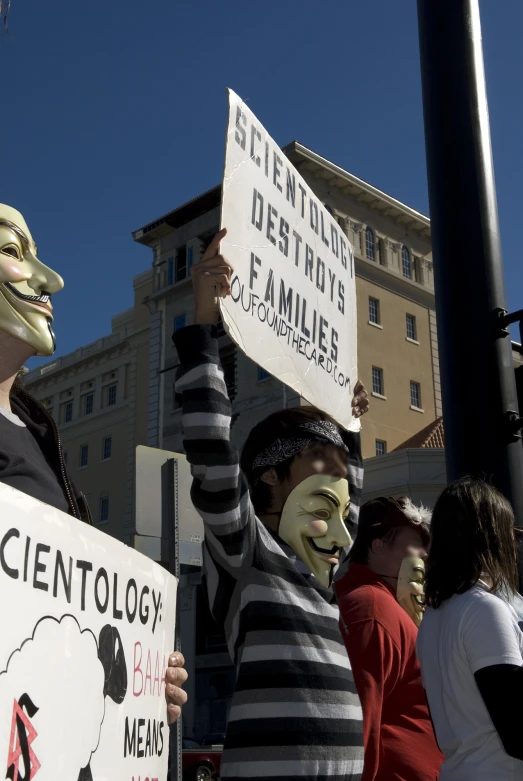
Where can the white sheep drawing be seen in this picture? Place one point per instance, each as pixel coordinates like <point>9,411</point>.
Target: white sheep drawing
<point>58,679</point>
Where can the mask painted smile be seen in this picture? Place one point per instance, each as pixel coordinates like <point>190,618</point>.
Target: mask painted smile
<point>44,298</point>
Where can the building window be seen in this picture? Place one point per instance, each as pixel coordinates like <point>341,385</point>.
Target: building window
<point>190,259</point>
<point>381,447</point>
<point>104,509</point>
<point>406,264</point>
<point>107,448</point>
<point>180,271</point>
<point>381,252</point>
<point>374,311</point>
<point>369,244</point>
<point>377,381</point>
<point>170,271</point>
<point>111,395</point>
<point>416,269</point>
<point>88,403</point>
<point>411,327</point>
<point>262,374</point>
<point>415,394</point>
<point>179,322</point>
<point>68,413</point>
<point>84,455</point>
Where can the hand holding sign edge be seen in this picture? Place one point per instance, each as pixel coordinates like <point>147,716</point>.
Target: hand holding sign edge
<point>175,676</point>
<point>211,277</point>
<point>360,400</point>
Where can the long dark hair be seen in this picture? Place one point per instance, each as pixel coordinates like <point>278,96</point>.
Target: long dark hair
<point>472,533</point>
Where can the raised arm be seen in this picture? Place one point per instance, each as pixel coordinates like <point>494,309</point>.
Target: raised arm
<point>219,491</point>
<point>352,439</point>
<point>354,476</point>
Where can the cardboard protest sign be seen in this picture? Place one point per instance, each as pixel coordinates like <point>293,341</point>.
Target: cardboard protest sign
<point>87,627</point>
<point>293,303</point>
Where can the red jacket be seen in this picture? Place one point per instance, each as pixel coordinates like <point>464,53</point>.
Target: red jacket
<point>381,641</point>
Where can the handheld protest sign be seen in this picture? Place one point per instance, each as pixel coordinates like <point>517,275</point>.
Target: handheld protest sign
<point>87,627</point>
<point>293,302</point>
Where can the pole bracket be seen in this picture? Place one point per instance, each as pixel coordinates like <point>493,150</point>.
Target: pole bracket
<point>503,319</point>
<point>514,424</point>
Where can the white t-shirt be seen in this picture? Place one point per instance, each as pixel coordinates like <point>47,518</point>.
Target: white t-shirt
<point>468,632</point>
<point>12,417</point>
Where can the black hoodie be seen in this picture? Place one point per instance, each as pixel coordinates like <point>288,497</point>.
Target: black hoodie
<point>43,430</point>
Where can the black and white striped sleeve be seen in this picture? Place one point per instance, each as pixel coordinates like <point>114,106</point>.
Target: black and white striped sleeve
<point>354,476</point>
<point>219,490</point>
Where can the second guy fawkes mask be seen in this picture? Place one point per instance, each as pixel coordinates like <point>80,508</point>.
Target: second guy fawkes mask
<point>410,594</point>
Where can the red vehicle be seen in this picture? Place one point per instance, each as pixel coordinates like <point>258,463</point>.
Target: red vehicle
<point>200,763</point>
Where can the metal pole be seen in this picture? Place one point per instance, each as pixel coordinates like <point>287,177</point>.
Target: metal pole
<point>482,434</point>
<point>170,533</point>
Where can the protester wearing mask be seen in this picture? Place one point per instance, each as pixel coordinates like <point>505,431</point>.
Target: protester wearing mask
<point>381,606</point>
<point>470,645</point>
<point>269,561</point>
<point>31,455</point>
<point>31,458</point>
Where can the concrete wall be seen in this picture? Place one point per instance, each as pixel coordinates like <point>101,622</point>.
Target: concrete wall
<point>419,473</point>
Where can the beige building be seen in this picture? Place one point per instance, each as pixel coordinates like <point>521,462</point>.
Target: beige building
<point>416,467</point>
<point>397,340</point>
<point>100,395</point>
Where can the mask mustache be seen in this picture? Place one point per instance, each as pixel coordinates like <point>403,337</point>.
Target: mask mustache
<point>332,551</point>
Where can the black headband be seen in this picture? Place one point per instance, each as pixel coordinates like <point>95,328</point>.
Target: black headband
<point>296,440</point>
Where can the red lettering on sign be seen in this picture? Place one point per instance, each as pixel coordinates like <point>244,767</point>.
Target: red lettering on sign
<point>148,675</point>
<point>20,750</point>
<point>137,670</point>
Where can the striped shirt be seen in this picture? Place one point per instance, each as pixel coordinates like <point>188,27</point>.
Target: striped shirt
<point>295,712</point>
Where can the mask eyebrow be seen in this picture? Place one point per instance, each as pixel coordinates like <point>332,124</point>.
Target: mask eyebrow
<point>16,229</point>
<point>331,498</point>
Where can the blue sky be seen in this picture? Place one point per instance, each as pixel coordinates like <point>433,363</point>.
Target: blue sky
<point>114,113</point>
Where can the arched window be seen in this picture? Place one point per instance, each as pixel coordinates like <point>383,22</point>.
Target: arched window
<point>406,262</point>
<point>369,243</point>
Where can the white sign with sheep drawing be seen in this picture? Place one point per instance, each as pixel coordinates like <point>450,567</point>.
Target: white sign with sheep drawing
<point>87,625</point>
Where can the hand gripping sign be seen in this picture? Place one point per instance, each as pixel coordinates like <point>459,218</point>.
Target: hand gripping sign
<point>87,627</point>
<point>293,302</point>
